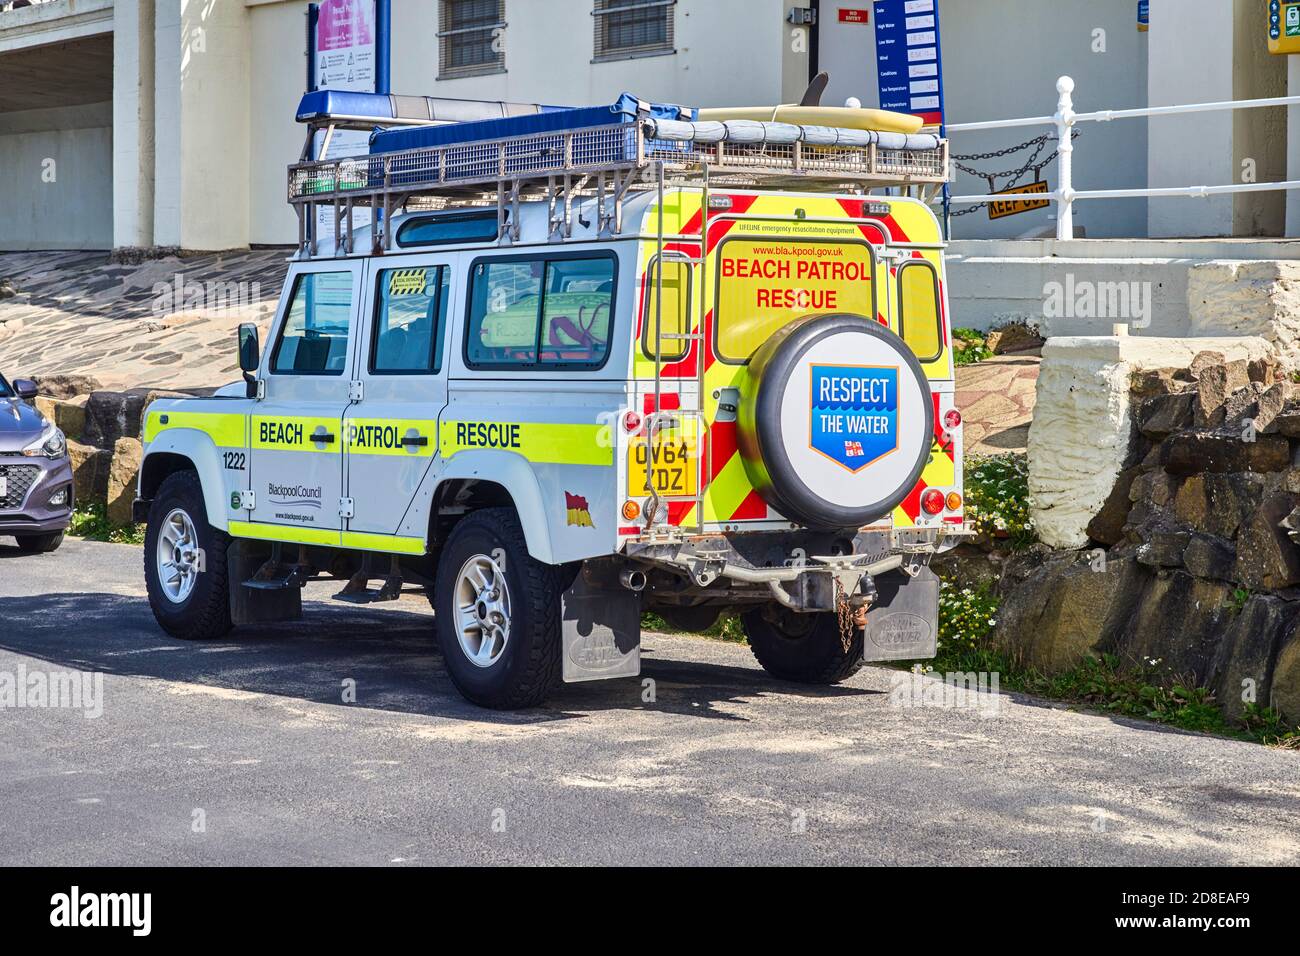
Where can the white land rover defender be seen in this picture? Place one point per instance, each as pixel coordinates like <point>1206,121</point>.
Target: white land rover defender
<point>580,365</point>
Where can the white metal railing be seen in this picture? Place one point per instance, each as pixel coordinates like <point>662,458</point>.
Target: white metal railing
<point>1064,120</point>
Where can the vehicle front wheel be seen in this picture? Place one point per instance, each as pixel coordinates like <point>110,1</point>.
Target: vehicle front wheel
<point>496,611</point>
<point>39,543</point>
<point>185,562</point>
<point>807,648</point>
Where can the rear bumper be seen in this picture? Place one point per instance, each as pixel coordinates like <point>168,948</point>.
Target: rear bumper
<point>31,482</point>
<point>804,571</point>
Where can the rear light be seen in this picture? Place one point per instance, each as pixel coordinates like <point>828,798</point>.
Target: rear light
<point>632,422</point>
<point>951,418</point>
<point>954,501</point>
<point>631,510</point>
<point>932,501</point>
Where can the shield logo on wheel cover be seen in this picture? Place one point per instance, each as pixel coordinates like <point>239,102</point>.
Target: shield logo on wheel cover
<point>854,414</point>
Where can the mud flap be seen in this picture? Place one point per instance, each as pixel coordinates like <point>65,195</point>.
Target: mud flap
<point>601,631</point>
<point>252,606</point>
<point>903,623</point>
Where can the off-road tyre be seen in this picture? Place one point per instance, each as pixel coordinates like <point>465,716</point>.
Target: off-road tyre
<point>529,666</point>
<point>205,613</point>
<point>805,648</point>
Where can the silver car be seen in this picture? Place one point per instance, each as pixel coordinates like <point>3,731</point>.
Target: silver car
<point>35,473</point>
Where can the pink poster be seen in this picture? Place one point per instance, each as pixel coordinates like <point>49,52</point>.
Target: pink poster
<point>345,23</point>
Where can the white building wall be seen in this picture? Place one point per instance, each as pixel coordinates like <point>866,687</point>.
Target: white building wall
<point>729,52</point>
<point>1001,61</point>
<point>58,191</point>
<point>201,122</point>
<point>133,123</point>
<point>1191,62</point>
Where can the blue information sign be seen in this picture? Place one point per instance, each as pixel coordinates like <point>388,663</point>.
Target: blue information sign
<point>909,61</point>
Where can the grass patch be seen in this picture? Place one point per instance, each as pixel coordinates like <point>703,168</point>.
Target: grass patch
<point>726,628</point>
<point>997,498</point>
<point>91,522</point>
<point>969,347</point>
<point>967,617</point>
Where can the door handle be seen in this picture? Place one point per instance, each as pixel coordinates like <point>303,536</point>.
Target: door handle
<point>415,440</point>
<point>325,438</point>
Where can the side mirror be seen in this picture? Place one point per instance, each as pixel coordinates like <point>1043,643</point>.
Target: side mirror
<point>249,356</point>
<point>250,351</point>
<point>25,388</point>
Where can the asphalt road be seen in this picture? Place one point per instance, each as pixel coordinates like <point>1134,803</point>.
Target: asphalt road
<point>243,752</point>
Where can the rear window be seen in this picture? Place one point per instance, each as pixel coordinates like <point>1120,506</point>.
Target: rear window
<point>675,311</point>
<point>539,313</point>
<point>918,309</point>
<point>763,284</point>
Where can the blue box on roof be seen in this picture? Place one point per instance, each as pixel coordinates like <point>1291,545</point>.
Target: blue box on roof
<point>607,139</point>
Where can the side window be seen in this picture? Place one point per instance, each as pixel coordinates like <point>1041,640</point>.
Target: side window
<point>675,311</point>
<point>410,316</point>
<point>540,313</point>
<point>918,312</point>
<point>314,338</point>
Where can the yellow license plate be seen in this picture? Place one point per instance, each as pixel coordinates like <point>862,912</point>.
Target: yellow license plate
<point>675,470</point>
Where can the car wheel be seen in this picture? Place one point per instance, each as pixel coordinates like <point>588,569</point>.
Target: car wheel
<point>496,612</point>
<point>806,648</point>
<point>185,562</point>
<point>39,543</point>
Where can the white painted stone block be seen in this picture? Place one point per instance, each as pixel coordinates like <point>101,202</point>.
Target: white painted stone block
<point>1248,297</point>
<point>1079,436</point>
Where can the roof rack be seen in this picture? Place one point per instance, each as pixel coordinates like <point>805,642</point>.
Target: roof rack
<point>605,161</point>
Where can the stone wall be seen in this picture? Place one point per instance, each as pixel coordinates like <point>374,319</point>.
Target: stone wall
<point>1189,561</point>
<point>103,430</point>
<point>1080,437</point>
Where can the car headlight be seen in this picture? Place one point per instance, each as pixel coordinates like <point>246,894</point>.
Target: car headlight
<point>51,444</point>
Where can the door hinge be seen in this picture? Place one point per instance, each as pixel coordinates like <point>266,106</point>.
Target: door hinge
<point>244,500</point>
<point>345,507</point>
<point>356,391</point>
<point>261,389</point>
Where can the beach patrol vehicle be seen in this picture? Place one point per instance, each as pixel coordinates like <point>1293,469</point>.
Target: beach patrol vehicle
<point>562,368</point>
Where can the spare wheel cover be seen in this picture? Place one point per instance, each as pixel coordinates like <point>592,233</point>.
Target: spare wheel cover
<point>837,421</point>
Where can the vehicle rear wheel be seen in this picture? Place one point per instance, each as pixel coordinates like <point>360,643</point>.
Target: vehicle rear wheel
<point>496,611</point>
<point>806,648</point>
<point>39,543</point>
<point>185,562</point>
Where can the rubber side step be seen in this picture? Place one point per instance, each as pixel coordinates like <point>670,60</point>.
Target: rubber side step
<point>358,590</point>
<point>276,574</point>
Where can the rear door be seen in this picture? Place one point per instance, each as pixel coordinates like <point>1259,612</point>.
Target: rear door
<point>295,433</point>
<point>391,433</point>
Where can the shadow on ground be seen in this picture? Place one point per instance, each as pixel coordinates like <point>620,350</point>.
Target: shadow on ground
<point>391,654</point>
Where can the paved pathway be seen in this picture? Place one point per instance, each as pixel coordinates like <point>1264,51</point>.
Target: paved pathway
<point>996,399</point>
<point>125,324</point>
<point>724,765</point>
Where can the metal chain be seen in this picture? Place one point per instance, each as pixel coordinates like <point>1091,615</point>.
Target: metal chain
<point>1032,163</point>
<point>845,614</point>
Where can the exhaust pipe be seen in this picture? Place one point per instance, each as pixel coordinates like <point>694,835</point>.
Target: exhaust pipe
<point>633,580</point>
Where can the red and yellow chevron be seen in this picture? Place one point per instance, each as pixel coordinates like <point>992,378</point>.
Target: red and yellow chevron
<point>729,497</point>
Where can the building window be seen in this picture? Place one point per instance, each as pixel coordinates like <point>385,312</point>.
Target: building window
<point>632,28</point>
<point>469,38</point>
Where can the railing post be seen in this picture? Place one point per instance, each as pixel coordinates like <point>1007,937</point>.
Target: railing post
<point>1065,146</point>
